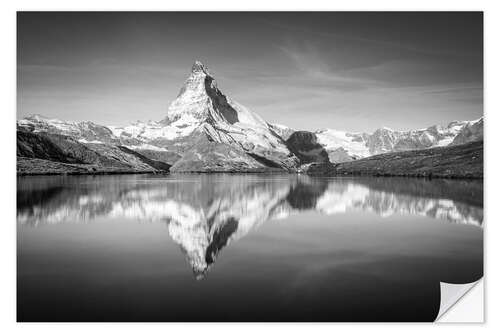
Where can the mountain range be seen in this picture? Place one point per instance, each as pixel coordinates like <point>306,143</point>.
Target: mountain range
<point>206,131</point>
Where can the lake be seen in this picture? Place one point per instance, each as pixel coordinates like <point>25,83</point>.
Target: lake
<point>226,247</point>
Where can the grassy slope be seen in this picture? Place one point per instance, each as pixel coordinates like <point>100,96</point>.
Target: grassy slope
<point>36,166</point>
<point>461,161</point>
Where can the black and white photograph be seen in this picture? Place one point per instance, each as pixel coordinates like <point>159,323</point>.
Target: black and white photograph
<point>258,166</point>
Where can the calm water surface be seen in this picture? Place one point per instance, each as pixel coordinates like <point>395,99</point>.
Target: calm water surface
<point>243,248</point>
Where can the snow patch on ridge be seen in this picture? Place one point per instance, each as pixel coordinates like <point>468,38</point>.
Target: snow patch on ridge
<point>354,143</point>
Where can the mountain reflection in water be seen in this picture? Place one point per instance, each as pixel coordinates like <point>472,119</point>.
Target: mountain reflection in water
<point>204,213</point>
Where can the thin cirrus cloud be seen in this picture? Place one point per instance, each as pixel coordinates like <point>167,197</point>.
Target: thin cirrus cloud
<point>313,68</point>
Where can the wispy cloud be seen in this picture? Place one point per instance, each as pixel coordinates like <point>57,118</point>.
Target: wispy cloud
<point>455,90</point>
<point>390,45</point>
<point>314,68</point>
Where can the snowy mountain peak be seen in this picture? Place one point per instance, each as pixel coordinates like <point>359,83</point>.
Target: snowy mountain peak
<point>191,104</point>
<point>384,129</point>
<point>201,101</point>
<point>37,117</point>
<point>199,67</point>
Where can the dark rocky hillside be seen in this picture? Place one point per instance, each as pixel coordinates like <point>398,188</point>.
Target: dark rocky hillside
<point>459,161</point>
<point>43,153</point>
<point>54,147</point>
<point>305,146</point>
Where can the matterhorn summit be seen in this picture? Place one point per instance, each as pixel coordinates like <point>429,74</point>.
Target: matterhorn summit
<point>192,101</point>
<point>200,100</point>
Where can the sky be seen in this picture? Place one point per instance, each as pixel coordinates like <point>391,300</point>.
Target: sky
<point>354,71</point>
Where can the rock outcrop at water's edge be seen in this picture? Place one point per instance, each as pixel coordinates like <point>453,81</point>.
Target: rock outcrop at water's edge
<point>305,146</point>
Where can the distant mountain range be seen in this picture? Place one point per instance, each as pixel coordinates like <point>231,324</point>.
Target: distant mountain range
<point>206,131</point>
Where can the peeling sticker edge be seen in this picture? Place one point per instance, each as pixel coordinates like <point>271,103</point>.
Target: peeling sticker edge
<point>451,294</point>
